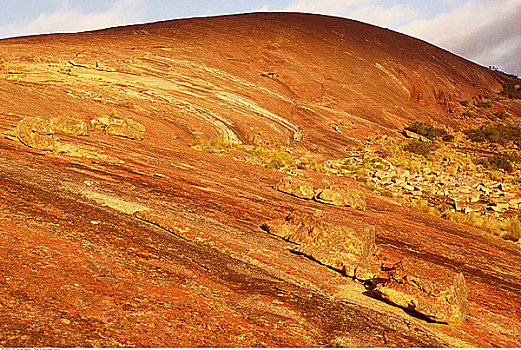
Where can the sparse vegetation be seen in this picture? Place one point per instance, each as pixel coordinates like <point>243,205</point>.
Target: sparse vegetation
<point>502,134</point>
<point>418,147</point>
<point>274,157</point>
<point>512,88</point>
<point>424,206</point>
<point>403,156</point>
<point>510,228</point>
<point>495,162</point>
<point>501,115</point>
<point>427,130</point>
<point>448,138</point>
<point>483,104</point>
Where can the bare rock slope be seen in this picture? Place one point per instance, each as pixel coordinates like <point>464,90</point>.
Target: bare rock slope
<point>114,232</point>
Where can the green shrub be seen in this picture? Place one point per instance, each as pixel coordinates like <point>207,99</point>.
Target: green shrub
<point>502,134</point>
<point>509,88</point>
<point>501,115</point>
<point>495,162</point>
<point>427,130</point>
<point>418,147</point>
<point>464,103</point>
<point>278,159</point>
<point>500,162</point>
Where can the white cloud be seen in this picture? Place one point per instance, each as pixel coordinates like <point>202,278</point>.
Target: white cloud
<point>73,19</point>
<point>485,31</point>
<point>385,17</point>
<point>334,7</point>
<point>370,11</point>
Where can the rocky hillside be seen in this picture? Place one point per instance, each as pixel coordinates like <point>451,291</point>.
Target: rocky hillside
<point>199,183</point>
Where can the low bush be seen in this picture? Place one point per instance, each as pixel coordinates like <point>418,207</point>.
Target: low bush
<point>502,134</point>
<point>418,147</point>
<point>448,138</point>
<point>495,162</point>
<point>512,88</point>
<point>427,130</point>
<point>501,115</point>
<point>424,206</point>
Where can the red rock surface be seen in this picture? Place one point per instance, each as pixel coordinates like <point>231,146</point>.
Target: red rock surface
<point>77,268</point>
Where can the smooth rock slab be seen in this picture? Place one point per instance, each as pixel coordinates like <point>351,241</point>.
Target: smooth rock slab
<point>436,292</point>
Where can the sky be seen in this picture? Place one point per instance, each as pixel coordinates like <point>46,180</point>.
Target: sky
<point>487,32</point>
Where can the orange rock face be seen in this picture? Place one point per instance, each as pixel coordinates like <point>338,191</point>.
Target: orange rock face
<point>127,237</point>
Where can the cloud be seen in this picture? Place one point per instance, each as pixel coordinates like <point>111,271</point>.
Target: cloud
<point>485,31</point>
<point>72,19</point>
<point>371,11</point>
<point>333,7</point>
<point>385,17</point>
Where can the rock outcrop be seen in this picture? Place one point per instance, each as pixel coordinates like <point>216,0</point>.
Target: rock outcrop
<point>70,125</point>
<point>342,195</point>
<point>295,187</point>
<point>120,127</point>
<point>336,246</point>
<point>36,133</point>
<point>431,290</point>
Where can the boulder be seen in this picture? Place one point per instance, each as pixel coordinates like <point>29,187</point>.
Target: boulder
<point>120,127</point>
<point>124,131</point>
<point>433,291</point>
<point>69,125</point>
<point>36,133</point>
<point>295,187</point>
<point>337,246</point>
<point>342,195</point>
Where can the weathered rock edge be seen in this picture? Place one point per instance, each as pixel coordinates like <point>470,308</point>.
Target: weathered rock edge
<point>339,247</point>
<point>337,194</point>
<point>341,195</point>
<point>436,292</point>
<point>295,187</point>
